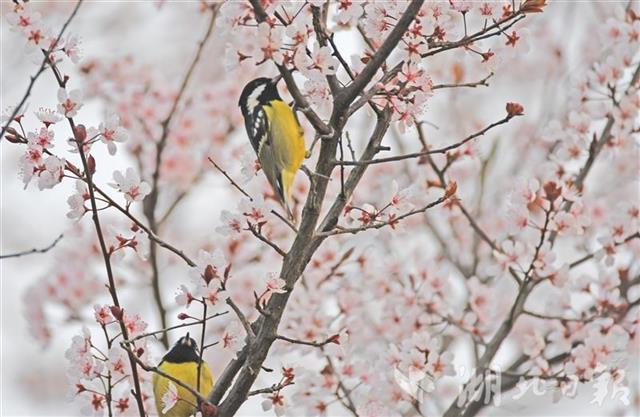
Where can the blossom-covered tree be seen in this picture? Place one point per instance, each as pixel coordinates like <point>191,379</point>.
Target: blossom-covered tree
<point>466,223</point>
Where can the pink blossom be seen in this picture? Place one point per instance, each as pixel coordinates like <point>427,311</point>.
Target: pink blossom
<point>270,42</point>
<point>250,165</point>
<point>440,364</point>
<point>130,185</point>
<point>48,116</point>
<point>275,401</point>
<point>22,18</point>
<point>231,223</point>
<point>184,297</point>
<point>118,363</point>
<point>545,260</point>
<point>71,48</point>
<point>211,266</point>
<point>69,103</point>
<point>348,13</point>
<point>533,343</point>
<point>42,139</point>
<point>254,211</point>
<point>276,285</point>
<point>299,34</point>
<point>134,324</point>
<point>323,59</point>
<point>563,223</point>
<point>231,336</point>
<point>111,132</point>
<point>608,250</point>
<point>462,6</point>
<point>169,398</point>
<point>51,172</point>
<point>94,404</point>
<point>102,314</point>
<point>76,201</point>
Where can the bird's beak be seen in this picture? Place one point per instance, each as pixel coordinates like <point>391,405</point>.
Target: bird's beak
<point>187,335</point>
<point>275,80</point>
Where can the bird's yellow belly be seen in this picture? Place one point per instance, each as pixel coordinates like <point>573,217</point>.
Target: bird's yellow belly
<point>187,373</point>
<point>287,135</point>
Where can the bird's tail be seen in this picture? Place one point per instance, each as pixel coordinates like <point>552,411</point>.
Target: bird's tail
<point>287,184</point>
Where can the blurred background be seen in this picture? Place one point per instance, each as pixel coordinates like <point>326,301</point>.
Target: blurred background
<point>163,36</point>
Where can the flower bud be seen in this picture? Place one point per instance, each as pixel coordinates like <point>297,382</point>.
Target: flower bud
<point>208,409</point>
<point>117,312</point>
<point>12,135</point>
<point>91,164</point>
<point>514,109</point>
<point>80,133</point>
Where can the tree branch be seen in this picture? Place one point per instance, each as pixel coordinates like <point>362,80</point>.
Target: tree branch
<point>79,140</point>
<point>381,224</point>
<point>178,326</point>
<point>34,250</point>
<point>351,91</point>
<point>331,339</point>
<point>257,233</point>
<point>429,151</point>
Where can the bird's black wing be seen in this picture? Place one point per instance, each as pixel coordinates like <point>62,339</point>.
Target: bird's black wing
<point>258,129</point>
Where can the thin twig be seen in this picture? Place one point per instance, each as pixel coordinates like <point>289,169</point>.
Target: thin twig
<point>270,390</point>
<point>237,187</point>
<point>228,177</point>
<point>483,82</point>
<point>429,151</point>
<point>202,347</point>
<point>331,339</point>
<point>243,319</point>
<point>152,236</point>
<point>178,326</point>
<point>591,255</point>
<point>34,250</point>
<point>257,233</point>
<point>381,224</point>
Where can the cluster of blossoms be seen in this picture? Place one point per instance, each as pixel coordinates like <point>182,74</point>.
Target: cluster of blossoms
<point>100,378</point>
<point>38,36</point>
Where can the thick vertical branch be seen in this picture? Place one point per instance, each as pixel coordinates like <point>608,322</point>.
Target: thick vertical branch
<point>306,242</point>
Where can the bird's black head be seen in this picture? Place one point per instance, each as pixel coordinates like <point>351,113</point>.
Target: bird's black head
<point>258,92</point>
<point>185,350</point>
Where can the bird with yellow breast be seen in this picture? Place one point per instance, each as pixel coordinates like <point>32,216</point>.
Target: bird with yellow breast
<point>181,362</point>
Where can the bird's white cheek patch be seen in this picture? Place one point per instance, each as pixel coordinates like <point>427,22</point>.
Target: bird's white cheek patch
<point>252,100</point>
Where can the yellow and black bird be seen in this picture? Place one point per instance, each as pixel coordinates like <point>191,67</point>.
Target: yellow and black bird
<point>275,134</point>
<point>181,362</point>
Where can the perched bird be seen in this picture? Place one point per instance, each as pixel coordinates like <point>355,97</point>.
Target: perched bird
<point>181,362</point>
<point>275,134</point>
